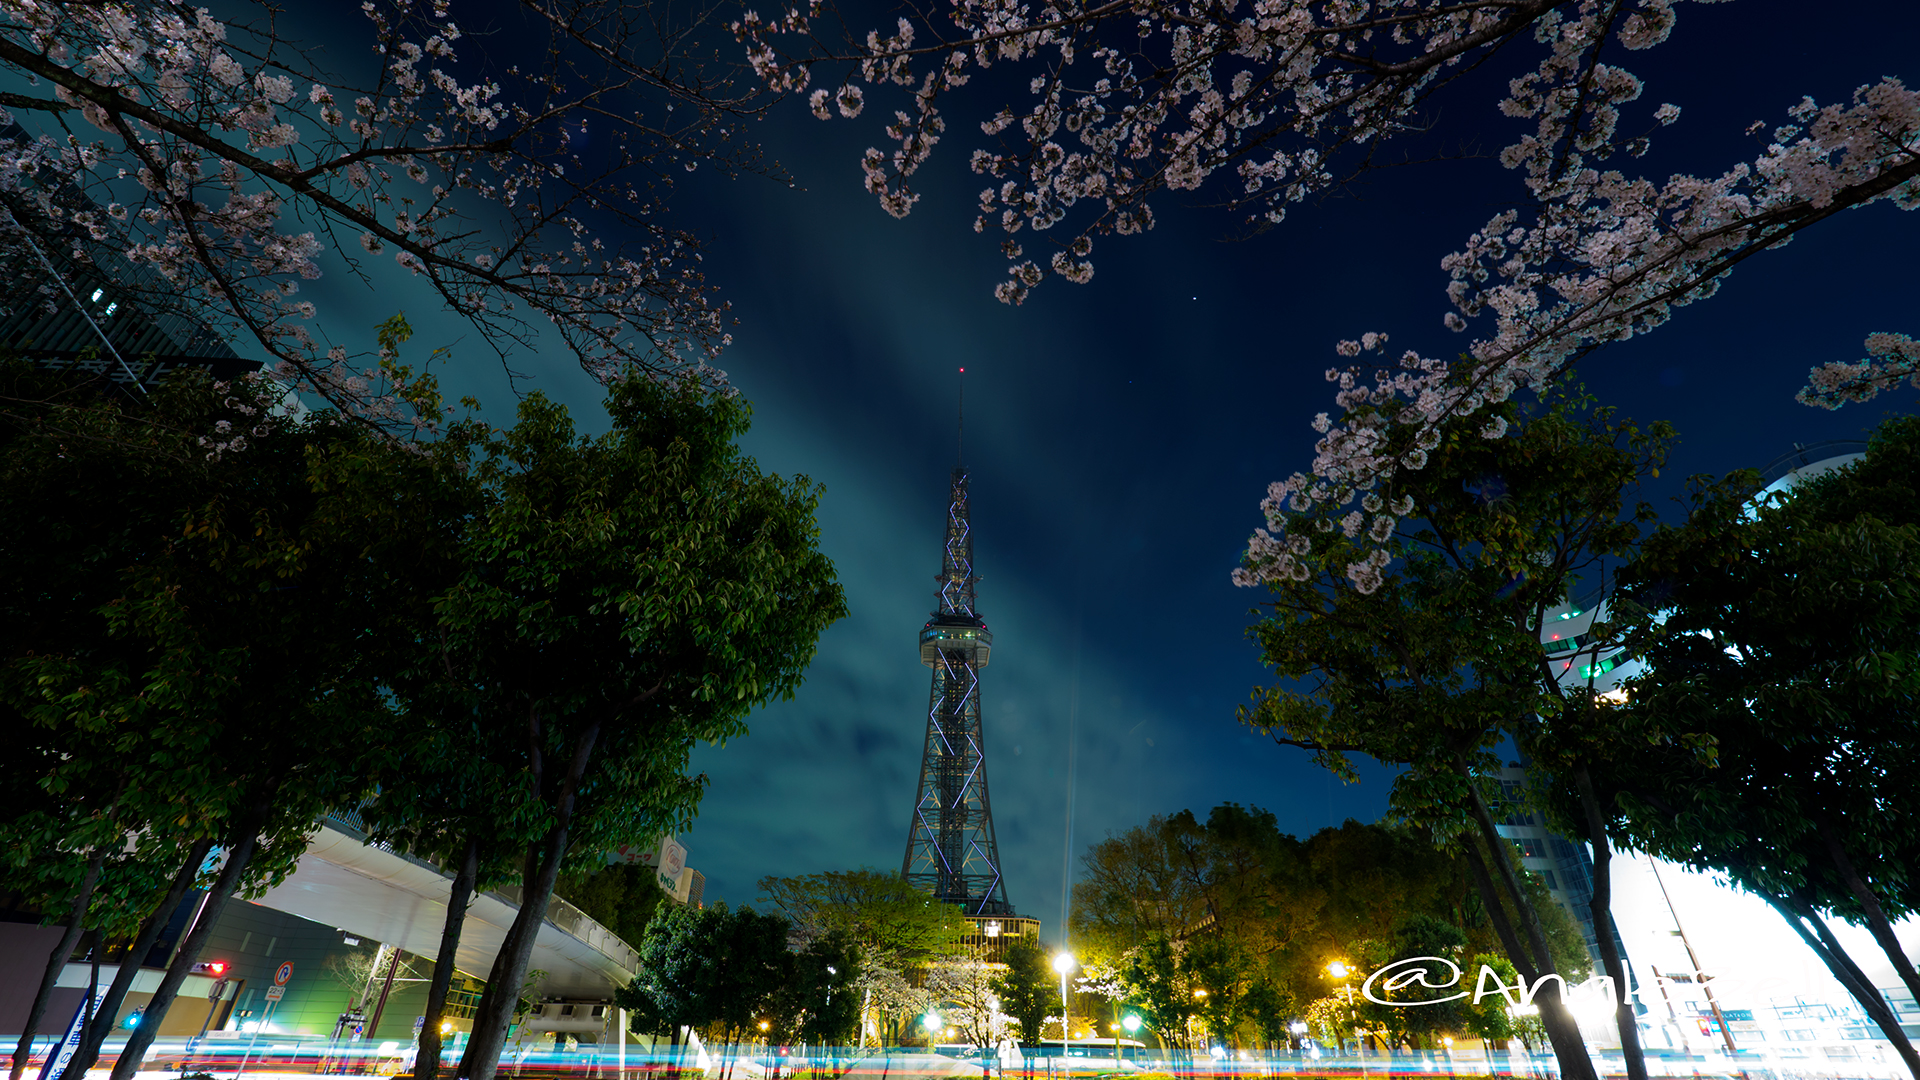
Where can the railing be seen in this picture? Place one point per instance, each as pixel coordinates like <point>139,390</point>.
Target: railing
<point>561,914</point>
<point>1804,454</point>
<point>565,916</point>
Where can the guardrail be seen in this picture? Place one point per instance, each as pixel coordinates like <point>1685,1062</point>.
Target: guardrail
<point>1804,454</point>
<point>566,917</point>
<point>562,915</point>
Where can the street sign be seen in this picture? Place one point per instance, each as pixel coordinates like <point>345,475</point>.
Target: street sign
<point>57,1061</point>
<point>275,993</point>
<point>283,973</point>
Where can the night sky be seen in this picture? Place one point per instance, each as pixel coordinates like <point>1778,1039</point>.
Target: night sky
<point>1121,435</point>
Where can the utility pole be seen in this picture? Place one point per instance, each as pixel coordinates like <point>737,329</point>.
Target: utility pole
<point>1726,1034</point>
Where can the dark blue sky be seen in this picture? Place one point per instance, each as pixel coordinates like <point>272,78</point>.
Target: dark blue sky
<point>1122,433</point>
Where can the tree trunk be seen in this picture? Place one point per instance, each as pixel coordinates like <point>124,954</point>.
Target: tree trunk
<point>57,961</point>
<point>1601,908</point>
<point>542,870</point>
<point>497,973</point>
<point>1824,945</point>
<point>246,840</point>
<point>1877,922</point>
<point>1562,1030</point>
<point>510,966</point>
<point>426,1062</point>
<point>89,1049</point>
<point>1497,914</point>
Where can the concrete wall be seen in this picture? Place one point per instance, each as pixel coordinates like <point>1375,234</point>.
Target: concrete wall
<point>23,957</point>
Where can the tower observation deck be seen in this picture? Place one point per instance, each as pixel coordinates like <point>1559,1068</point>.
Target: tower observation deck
<point>951,850</point>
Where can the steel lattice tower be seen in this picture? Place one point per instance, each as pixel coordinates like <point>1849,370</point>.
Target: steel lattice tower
<point>951,850</point>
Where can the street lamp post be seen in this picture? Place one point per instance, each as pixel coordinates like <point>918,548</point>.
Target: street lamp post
<point>1340,971</point>
<point>1064,963</point>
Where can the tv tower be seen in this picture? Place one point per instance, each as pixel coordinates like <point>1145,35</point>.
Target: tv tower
<point>951,850</point>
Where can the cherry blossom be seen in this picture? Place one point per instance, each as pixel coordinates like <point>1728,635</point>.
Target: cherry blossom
<point>1279,98</point>
<point>1291,97</point>
<point>1602,257</point>
<point>1891,358</point>
<point>231,169</point>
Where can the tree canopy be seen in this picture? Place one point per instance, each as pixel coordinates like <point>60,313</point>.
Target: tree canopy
<point>1782,641</point>
<point>1410,629</point>
<point>1231,924</point>
<point>518,634</point>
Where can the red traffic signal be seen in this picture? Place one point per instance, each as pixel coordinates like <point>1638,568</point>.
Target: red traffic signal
<point>215,968</point>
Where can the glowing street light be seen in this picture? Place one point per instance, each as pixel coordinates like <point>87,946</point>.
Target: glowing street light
<point>1063,963</point>
<point>1340,971</point>
<point>1131,1023</point>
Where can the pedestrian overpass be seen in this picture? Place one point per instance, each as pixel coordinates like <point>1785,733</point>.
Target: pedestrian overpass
<point>387,896</point>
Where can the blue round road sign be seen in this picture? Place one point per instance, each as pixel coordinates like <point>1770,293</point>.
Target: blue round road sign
<point>284,973</point>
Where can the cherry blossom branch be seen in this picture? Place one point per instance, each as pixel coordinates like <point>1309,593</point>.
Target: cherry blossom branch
<point>1196,86</point>
<point>196,107</point>
<point>1621,254</point>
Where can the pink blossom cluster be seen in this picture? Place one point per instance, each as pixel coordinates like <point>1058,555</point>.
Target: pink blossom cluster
<point>226,169</point>
<point>1891,358</point>
<point>1388,425</point>
<point>1605,256</point>
<point>1290,97</point>
<point>1602,257</point>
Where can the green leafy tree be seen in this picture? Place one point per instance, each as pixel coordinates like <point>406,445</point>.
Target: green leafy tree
<point>820,1002</point>
<point>621,598</point>
<point>898,924</point>
<point>1149,881</point>
<point>621,897</point>
<point>1785,647</point>
<point>1027,989</point>
<point>900,929</point>
<point>446,794</point>
<point>1419,644</point>
<point>1268,1010</point>
<point>1162,989</point>
<point>1417,1026</point>
<point>233,591</point>
<point>1244,906</point>
<point>677,984</point>
<point>1489,1020</point>
<point>1221,969</point>
<point>718,969</point>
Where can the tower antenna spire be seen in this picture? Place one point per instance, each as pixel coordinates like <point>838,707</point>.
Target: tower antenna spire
<point>960,443</point>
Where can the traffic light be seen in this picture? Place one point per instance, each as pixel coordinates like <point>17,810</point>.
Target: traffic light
<point>133,1019</point>
<point>214,968</point>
